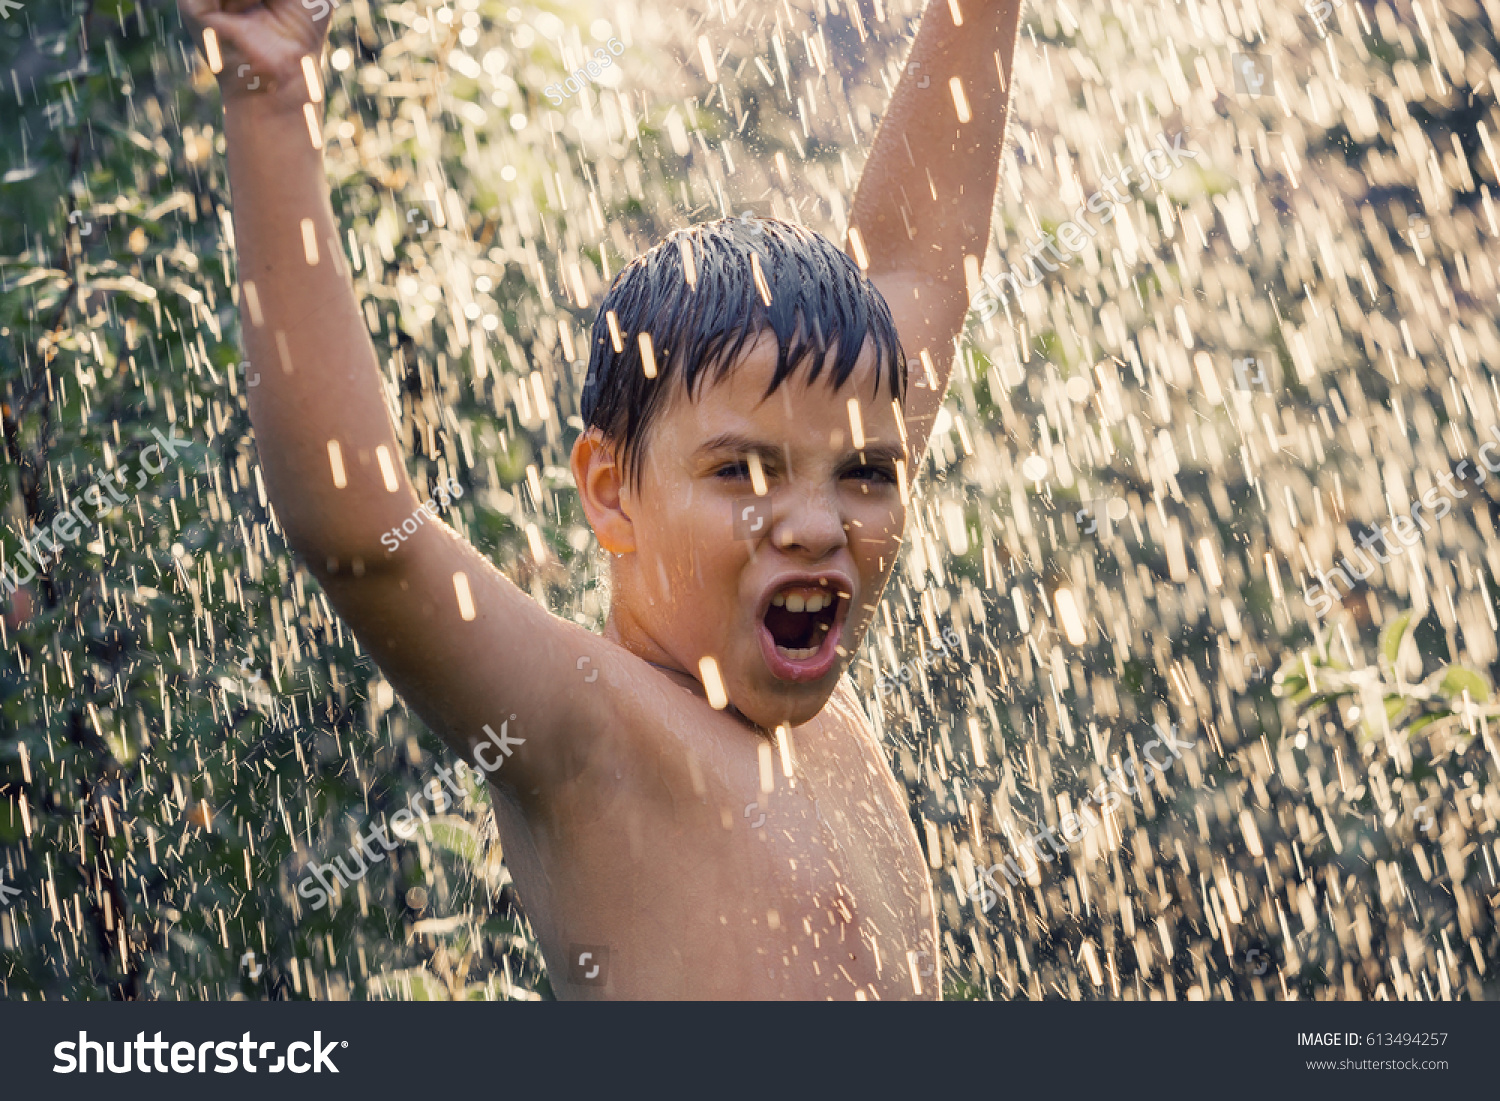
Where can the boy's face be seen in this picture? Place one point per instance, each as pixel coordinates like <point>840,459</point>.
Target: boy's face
<point>777,587</point>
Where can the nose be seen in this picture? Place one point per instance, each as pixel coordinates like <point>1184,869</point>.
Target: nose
<point>810,523</point>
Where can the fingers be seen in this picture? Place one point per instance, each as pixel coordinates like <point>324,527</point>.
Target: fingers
<point>267,38</point>
<point>199,15</point>
<point>201,9</point>
<point>208,13</point>
<point>218,27</point>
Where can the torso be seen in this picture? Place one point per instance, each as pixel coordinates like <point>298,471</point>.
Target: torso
<point>655,852</point>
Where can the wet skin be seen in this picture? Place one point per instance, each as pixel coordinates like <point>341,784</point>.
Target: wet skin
<point>651,845</point>
<point>659,852</point>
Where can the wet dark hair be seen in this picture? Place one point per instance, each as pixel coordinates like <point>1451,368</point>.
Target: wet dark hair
<point>698,329</point>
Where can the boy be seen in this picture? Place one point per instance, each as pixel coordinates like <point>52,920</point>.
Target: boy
<point>710,816</point>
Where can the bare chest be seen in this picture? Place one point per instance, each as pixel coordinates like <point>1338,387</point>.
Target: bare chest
<point>736,876</point>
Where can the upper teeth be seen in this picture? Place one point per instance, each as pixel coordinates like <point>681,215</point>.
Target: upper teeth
<point>795,602</point>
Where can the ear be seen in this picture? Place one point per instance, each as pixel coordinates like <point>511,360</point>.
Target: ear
<point>600,479</point>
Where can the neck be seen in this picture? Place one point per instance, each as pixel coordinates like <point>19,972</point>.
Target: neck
<point>625,630</point>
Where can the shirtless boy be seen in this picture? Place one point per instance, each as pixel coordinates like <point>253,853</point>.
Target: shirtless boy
<point>622,802</point>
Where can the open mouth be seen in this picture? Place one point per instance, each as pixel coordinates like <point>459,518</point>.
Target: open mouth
<point>800,618</point>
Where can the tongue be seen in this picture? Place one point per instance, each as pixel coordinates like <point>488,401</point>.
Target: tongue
<point>793,630</point>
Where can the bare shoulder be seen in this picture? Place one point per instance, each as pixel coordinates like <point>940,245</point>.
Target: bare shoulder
<point>851,736</point>
<point>645,721</point>
<point>845,705</point>
<point>469,652</point>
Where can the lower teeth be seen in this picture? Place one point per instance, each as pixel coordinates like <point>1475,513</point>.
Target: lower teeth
<point>798,655</point>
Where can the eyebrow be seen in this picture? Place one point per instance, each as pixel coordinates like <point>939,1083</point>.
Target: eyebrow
<point>733,441</point>
<point>745,445</point>
<point>896,453</point>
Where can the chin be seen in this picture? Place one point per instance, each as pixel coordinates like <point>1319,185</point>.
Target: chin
<point>787,704</point>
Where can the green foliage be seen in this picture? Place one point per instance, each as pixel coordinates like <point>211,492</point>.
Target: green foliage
<point>1410,707</point>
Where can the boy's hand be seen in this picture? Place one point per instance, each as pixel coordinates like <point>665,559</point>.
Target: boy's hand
<point>260,44</point>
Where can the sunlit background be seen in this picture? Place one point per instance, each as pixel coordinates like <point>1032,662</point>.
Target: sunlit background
<point>1142,462</point>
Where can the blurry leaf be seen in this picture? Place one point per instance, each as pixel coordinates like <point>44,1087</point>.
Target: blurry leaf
<point>1289,675</point>
<point>424,987</point>
<point>1394,705</point>
<point>1456,679</point>
<point>175,202</point>
<point>1390,638</point>
<point>1316,705</point>
<point>141,292</point>
<point>36,275</point>
<point>502,926</point>
<point>456,836</point>
<point>1296,690</point>
<point>1426,721</point>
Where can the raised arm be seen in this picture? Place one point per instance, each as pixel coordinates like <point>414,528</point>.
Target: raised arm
<point>926,194</point>
<point>462,644</point>
<point>321,423</point>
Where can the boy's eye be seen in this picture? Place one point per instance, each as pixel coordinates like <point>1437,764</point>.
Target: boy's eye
<point>879,474</point>
<point>738,469</point>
